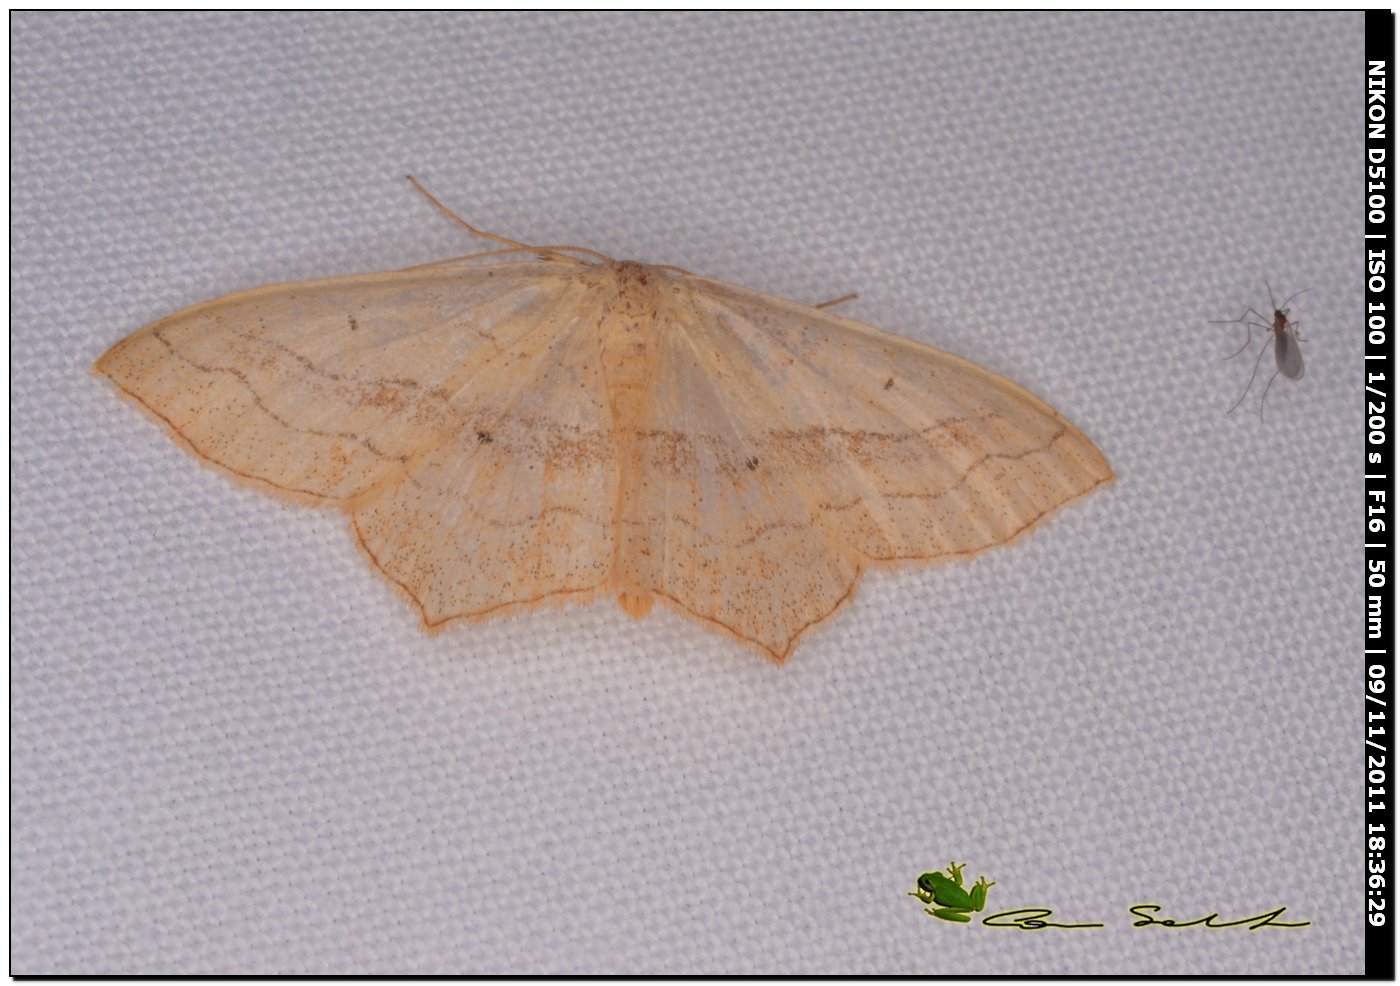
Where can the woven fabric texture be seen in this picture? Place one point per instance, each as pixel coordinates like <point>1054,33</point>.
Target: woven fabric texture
<point>233,750</point>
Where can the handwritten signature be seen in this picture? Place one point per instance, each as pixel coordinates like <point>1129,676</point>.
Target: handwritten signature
<point>1037,919</point>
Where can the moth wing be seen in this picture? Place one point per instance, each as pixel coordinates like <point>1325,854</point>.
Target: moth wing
<point>319,390</point>
<point>455,412</point>
<point>515,508</point>
<point>791,447</point>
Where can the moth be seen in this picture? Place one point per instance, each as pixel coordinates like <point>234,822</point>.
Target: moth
<point>544,425</point>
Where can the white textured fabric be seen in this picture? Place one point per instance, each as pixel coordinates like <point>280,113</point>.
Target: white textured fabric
<point>234,751</point>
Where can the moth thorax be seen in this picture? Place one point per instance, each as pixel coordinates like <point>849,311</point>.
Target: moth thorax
<point>627,342</point>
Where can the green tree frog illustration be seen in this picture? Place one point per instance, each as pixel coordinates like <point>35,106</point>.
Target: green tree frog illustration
<point>954,901</point>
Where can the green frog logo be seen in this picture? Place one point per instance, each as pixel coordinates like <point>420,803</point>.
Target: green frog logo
<point>946,896</point>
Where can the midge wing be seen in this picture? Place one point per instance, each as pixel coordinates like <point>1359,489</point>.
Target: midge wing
<point>1287,355</point>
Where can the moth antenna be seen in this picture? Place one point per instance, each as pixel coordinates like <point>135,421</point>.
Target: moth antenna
<point>516,244</point>
<point>838,301</point>
<point>462,222</point>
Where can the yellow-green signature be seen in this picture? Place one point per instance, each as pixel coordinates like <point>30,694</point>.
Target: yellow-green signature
<point>946,898</point>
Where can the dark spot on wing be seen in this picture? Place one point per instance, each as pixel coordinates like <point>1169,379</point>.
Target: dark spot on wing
<point>484,437</point>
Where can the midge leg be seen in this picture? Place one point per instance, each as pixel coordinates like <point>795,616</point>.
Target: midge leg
<point>1258,359</point>
<point>1266,394</point>
<point>1249,326</point>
